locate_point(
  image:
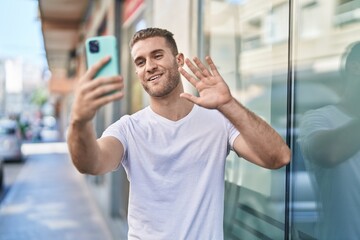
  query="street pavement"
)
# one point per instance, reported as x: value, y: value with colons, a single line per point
x: 50, y: 200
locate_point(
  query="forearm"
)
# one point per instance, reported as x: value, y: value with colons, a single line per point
x: 83, y: 147
x: 265, y: 144
x: 331, y: 147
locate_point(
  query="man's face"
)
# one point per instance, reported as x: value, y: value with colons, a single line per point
x: 156, y: 66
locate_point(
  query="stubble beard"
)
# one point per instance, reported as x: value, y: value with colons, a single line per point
x: 165, y: 87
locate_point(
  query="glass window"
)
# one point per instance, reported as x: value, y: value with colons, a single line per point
x: 276, y: 23
x: 347, y: 11
x: 248, y: 42
x: 309, y: 28
x: 326, y: 157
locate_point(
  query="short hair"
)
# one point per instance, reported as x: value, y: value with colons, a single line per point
x: 352, y: 54
x: 155, y: 32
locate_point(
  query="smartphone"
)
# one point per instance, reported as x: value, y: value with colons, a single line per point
x: 99, y: 47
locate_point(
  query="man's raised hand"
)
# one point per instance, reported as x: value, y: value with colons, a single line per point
x: 213, y: 91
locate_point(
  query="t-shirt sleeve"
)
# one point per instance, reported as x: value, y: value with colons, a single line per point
x: 312, y: 122
x: 118, y: 130
x: 233, y: 133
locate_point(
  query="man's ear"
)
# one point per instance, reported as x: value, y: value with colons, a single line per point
x: 180, y: 59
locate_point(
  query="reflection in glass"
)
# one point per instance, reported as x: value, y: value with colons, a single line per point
x: 329, y: 139
x: 248, y: 40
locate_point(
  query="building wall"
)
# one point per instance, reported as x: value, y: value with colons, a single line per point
x: 178, y: 19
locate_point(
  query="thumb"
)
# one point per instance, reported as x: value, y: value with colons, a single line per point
x: 190, y: 97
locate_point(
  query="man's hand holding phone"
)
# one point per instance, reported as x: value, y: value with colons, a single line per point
x: 93, y: 91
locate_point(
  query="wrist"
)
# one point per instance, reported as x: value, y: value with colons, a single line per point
x: 228, y: 105
x: 78, y: 123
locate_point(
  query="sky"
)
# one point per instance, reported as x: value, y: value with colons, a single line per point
x: 20, y: 31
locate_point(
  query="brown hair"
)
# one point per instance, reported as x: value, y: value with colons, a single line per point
x: 155, y: 32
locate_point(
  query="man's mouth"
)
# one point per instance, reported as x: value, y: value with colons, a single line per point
x: 154, y: 77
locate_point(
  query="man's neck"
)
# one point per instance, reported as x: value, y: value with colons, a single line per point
x: 173, y: 108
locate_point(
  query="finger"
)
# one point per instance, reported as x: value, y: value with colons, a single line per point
x: 202, y: 67
x: 194, y: 69
x: 105, y: 88
x: 190, y: 97
x: 105, y: 99
x: 212, y: 65
x: 91, y: 85
x: 188, y: 77
x: 108, y: 80
x: 93, y: 89
x: 91, y: 72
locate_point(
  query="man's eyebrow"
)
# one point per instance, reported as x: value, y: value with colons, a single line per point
x: 151, y: 53
x: 157, y: 50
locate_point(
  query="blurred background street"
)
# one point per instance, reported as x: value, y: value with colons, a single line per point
x: 45, y: 198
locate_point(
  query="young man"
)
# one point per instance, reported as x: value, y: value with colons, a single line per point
x: 174, y: 150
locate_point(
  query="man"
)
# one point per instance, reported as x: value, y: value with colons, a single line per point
x: 173, y: 150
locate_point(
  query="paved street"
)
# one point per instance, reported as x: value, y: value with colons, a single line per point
x: 49, y: 199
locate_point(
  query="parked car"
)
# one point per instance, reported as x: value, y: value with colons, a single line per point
x: 49, y: 131
x: 10, y: 140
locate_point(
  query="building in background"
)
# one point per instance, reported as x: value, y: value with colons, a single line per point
x: 21, y: 80
x: 2, y: 86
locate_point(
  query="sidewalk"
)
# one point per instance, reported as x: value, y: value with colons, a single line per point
x: 50, y: 200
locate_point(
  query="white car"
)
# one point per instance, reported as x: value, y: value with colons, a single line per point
x: 10, y: 140
x: 49, y: 131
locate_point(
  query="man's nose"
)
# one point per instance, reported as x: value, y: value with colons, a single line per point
x: 150, y: 65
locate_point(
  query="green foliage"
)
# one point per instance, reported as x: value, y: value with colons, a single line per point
x: 39, y: 97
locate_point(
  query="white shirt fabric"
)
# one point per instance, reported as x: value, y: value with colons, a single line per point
x: 337, y: 187
x: 176, y: 173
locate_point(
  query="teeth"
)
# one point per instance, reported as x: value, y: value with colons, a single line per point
x: 155, y: 77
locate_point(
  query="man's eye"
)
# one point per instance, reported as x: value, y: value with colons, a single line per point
x: 158, y: 56
x: 140, y: 63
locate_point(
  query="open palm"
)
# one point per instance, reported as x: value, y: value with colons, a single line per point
x: 213, y: 91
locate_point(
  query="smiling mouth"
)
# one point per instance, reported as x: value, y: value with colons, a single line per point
x: 154, y: 77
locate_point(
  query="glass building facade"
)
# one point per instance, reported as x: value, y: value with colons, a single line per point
x: 249, y: 41
x: 297, y: 65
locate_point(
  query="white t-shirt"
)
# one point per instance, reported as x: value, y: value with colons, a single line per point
x: 176, y: 173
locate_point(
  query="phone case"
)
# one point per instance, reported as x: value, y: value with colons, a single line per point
x: 106, y: 45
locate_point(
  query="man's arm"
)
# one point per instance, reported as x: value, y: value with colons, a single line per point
x: 91, y: 155
x: 257, y: 142
x: 331, y: 146
x: 88, y: 154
